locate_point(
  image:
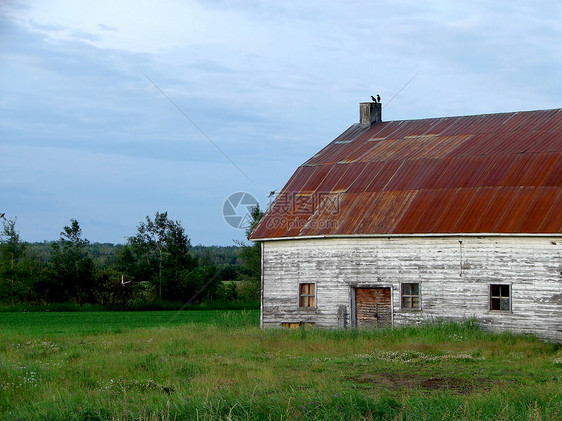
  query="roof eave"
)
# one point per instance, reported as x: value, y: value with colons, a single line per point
x: 421, y: 235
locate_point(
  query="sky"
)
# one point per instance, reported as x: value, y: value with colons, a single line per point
x: 113, y: 110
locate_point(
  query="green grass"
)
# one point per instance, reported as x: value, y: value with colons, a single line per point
x: 49, y: 323
x: 220, y: 365
x: 157, y: 305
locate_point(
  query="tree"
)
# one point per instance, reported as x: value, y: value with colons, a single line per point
x: 16, y: 269
x: 109, y: 291
x: 250, y: 255
x: 162, y: 248
x: 70, y: 274
x: 12, y: 248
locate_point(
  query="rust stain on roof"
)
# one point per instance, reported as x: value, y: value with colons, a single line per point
x: 491, y: 173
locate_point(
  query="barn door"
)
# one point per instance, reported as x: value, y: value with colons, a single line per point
x: 373, y: 307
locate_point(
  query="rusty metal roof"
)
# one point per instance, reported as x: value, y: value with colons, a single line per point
x: 491, y: 173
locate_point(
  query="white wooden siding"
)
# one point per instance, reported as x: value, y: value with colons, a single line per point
x: 454, y: 273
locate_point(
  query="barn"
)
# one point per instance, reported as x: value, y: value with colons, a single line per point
x: 400, y: 222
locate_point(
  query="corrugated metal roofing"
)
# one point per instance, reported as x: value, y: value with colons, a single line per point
x: 491, y: 173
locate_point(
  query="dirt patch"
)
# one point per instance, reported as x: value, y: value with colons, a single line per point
x: 397, y: 381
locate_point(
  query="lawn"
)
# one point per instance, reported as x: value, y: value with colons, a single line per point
x: 220, y: 365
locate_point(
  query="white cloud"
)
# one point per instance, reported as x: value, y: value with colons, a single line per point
x: 135, y: 26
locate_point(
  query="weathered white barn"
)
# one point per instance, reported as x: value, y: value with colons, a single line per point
x: 399, y: 222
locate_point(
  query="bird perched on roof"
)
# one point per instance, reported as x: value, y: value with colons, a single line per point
x: 373, y: 98
x: 376, y: 99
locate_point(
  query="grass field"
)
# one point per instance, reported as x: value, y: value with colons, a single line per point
x: 47, y: 323
x: 219, y: 365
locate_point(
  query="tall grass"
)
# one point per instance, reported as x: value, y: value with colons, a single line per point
x: 225, y: 367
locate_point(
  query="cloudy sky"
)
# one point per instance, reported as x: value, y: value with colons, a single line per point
x: 111, y: 110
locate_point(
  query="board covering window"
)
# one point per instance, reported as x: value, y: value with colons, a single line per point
x: 500, y: 297
x: 307, y: 295
x: 411, y: 295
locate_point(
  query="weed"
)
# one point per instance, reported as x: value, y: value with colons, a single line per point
x: 213, y: 365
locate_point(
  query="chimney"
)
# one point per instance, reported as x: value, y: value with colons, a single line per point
x: 370, y: 113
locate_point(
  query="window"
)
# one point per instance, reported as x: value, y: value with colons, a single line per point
x: 500, y: 297
x: 411, y: 295
x: 296, y: 325
x: 307, y: 296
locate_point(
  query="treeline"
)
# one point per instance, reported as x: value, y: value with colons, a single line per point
x: 106, y: 254
x: 156, y: 268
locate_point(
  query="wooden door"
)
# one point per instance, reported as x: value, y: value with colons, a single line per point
x: 373, y: 307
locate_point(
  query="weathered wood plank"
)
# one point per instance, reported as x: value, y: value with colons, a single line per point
x: 454, y: 278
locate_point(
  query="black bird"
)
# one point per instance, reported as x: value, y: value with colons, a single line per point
x: 378, y: 98
x: 373, y: 98
x: 271, y: 193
